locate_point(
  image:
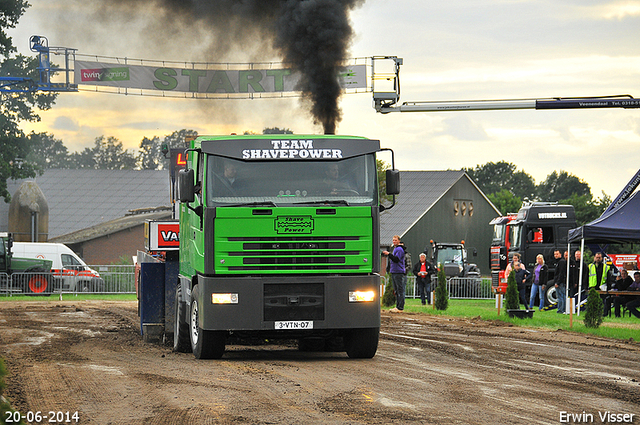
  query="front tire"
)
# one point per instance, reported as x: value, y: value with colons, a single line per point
x: 181, y: 342
x: 362, y: 343
x: 205, y: 344
x: 551, y: 295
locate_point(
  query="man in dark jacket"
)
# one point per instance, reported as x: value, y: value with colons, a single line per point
x: 561, y: 281
x: 398, y: 273
x: 423, y: 271
x: 622, y: 283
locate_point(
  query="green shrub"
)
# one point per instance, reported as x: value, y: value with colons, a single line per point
x: 594, y: 310
x: 512, y: 297
x: 389, y: 297
x: 442, y: 294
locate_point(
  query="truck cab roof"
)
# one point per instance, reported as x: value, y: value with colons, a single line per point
x: 541, y: 213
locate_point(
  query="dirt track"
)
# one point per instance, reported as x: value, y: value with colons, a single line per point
x: 89, y: 357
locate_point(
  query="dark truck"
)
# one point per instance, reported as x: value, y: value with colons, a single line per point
x: 22, y: 275
x: 538, y: 228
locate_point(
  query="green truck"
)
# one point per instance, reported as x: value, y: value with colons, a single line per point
x: 23, y: 275
x: 280, y: 239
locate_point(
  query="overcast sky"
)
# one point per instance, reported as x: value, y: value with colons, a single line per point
x: 452, y: 50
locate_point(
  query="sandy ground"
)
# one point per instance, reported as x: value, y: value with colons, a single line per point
x: 88, y: 357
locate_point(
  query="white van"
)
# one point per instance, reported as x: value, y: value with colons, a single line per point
x: 70, y: 272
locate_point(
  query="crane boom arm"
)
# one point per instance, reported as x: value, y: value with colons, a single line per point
x: 484, y: 105
x: 386, y: 101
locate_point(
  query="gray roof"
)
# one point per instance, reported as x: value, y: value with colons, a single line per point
x: 113, y: 226
x: 80, y: 199
x: 419, y: 191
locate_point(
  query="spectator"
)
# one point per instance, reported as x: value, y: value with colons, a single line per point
x: 560, y: 283
x: 398, y: 273
x: 632, y: 306
x: 622, y: 283
x: 540, y: 274
x: 522, y: 274
x: 515, y: 257
x: 585, y: 274
x: 599, y: 272
x: 423, y: 271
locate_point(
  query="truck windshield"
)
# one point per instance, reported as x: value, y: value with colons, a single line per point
x: 498, y: 234
x: 351, y: 181
x: 450, y: 255
x: 515, y: 236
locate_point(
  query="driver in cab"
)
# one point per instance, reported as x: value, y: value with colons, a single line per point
x: 331, y: 180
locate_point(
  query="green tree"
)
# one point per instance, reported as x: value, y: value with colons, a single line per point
x: 82, y: 159
x: 594, y: 310
x: 494, y: 177
x: 47, y: 152
x: 562, y: 185
x: 276, y: 130
x: 505, y: 201
x: 512, y: 296
x: 109, y: 154
x: 587, y: 208
x: 106, y: 154
x: 150, y: 154
x: 16, y: 107
x: 442, y: 293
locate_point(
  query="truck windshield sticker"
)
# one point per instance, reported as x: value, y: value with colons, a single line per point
x: 552, y: 215
x: 294, y: 225
x: 302, y: 149
x: 292, y: 149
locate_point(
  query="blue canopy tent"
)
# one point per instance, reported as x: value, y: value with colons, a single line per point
x: 618, y: 225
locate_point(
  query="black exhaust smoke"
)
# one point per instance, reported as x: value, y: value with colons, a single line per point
x: 313, y: 36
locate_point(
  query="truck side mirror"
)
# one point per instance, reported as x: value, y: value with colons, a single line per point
x: 186, y: 189
x: 393, y: 182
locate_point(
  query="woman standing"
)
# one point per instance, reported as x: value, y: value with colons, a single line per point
x: 540, y: 274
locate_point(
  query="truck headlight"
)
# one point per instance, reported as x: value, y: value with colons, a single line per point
x: 224, y: 298
x: 361, y: 296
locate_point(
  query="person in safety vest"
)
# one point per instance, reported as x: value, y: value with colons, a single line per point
x: 599, y: 272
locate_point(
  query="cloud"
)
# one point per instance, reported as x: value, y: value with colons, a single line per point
x: 464, y: 127
x: 65, y: 123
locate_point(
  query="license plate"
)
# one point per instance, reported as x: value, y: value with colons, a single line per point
x: 304, y: 324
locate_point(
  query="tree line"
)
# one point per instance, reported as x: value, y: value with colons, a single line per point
x: 507, y: 188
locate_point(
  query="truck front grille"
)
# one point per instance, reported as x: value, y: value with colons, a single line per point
x: 293, y: 253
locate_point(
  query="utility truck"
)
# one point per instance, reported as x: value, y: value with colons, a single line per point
x: 279, y: 239
x: 23, y: 275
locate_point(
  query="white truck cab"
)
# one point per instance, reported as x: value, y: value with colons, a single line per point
x: 70, y: 271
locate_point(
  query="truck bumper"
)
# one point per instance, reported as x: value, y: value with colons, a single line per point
x: 288, y: 303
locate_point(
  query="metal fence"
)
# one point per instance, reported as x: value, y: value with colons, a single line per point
x: 102, y: 279
x: 458, y: 287
x: 120, y: 279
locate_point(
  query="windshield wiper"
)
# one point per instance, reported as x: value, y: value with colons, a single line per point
x: 253, y: 204
x: 328, y: 202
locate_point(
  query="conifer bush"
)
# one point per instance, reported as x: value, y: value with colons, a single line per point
x: 442, y: 294
x: 594, y: 311
x: 389, y: 297
x: 512, y: 297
